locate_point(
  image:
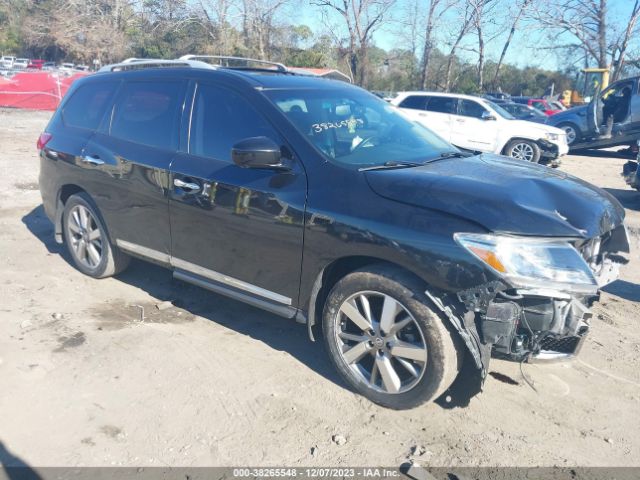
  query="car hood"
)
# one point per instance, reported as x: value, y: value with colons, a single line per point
x: 504, y: 195
x: 534, y: 129
x: 558, y: 117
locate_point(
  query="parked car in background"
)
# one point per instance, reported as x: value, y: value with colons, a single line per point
x: 538, y: 103
x: 499, y: 96
x: 316, y: 200
x: 557, y: 104
x: 477, y: 124
x: 21, y: 63
x: 81, y: 68
x: 7, y: 61
x: 36, y: 64
x: 67, y: 67
x: 49, y: 66
x: 525, y: 112
x: 612, y: 118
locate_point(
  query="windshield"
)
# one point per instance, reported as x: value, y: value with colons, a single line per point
x: 356, y: 128
x: 499, y: 110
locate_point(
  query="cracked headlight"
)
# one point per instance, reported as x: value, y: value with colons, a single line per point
x: 552, y: 136
x: 532, y: 262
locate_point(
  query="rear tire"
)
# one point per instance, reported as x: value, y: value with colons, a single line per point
x: 526, y: 150
x: 87, y: 240
x: 410, y: 353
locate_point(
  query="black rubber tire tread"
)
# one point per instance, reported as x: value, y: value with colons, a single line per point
x: 113, y: 260
x: 444, y: 347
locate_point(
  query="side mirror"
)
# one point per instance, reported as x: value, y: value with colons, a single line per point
x: 487, y: 116
x: 258, y: 152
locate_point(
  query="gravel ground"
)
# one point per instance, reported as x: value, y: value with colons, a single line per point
x: 214, y: 382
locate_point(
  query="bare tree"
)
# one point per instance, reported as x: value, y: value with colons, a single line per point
x: 218, y: 17
x: 83, y: 29
x: 361, y: 18
x: 435, y: 11
x: 587, y: 22
x: 520, y: 9
x: 622, y: 43
x: 465, y: 22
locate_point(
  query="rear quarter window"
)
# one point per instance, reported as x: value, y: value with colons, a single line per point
x: 148, y: 112
x: 87, y: 105
x: 441, y: 104
x: 415, y: 102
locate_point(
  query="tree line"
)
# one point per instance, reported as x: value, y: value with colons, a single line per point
x: 461, y: 45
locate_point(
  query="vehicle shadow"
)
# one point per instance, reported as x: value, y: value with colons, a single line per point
x: 40, y: 226
x: 629, y: 199
x: 279, y: 333
x: 14, y: 467
x: 623, y: 289
x: 624, y: 153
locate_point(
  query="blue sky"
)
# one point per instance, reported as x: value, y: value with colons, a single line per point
x: 525, y: 49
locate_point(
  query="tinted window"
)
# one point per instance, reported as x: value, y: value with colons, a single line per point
x: 221, y: 118
x: 469, y: 108
x: 148, y: 113
x: 87, y: 105
x: 539, y: 105
x: 441, y: 104
x: 355, y: 128
x: 415, y: 102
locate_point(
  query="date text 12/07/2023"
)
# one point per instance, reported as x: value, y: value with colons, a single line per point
x: 372, y: 472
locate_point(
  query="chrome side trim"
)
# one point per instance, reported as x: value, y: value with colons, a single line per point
x: 203, y: 272
x: 286, y: 311
x: 143, y: 251
x: 233, y: 282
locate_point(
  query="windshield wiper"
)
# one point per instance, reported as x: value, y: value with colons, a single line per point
x: 451, y: 154
x: 390, y: 165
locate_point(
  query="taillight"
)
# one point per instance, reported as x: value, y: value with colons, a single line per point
x: 43, y: 139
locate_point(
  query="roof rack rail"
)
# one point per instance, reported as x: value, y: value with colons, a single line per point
x: 140, y: 63
x: 226, y: 59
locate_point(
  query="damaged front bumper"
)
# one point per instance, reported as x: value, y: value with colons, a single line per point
x: 536, y: 323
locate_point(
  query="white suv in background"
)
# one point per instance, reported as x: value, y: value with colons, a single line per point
x: 477, y: 124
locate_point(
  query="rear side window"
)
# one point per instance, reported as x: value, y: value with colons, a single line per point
x: 221, y: 118
x: 441, y: 104
x: 469, y: 108
x: 86, y: 106
x: 416, y: 102
x: 148, y: 113
x: 539, y: 105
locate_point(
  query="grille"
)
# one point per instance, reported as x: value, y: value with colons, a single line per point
x: 560, y: 345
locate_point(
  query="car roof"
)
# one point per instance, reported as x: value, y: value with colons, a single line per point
x: 263, y: 79
x: 441, y: 94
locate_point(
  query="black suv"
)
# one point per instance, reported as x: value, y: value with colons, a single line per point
x: 316, y: 200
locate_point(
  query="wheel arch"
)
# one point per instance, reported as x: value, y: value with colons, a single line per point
x: 503, y: 148
x: 340, y: 267
x: 64, y: 192
x: 331, y: 274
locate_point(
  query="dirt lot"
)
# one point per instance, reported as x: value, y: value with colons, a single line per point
x: 214, y: 382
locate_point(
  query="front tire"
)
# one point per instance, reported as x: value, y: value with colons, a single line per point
x: 526, y: 150
x: 387, y: 340
x: 87, y: 241
x: 572, y: 131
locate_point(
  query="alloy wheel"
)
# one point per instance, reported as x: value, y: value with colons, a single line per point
x: 571, y: 134
x: 380, y: 342
x: 522, y: 151
x: 85, y: 236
